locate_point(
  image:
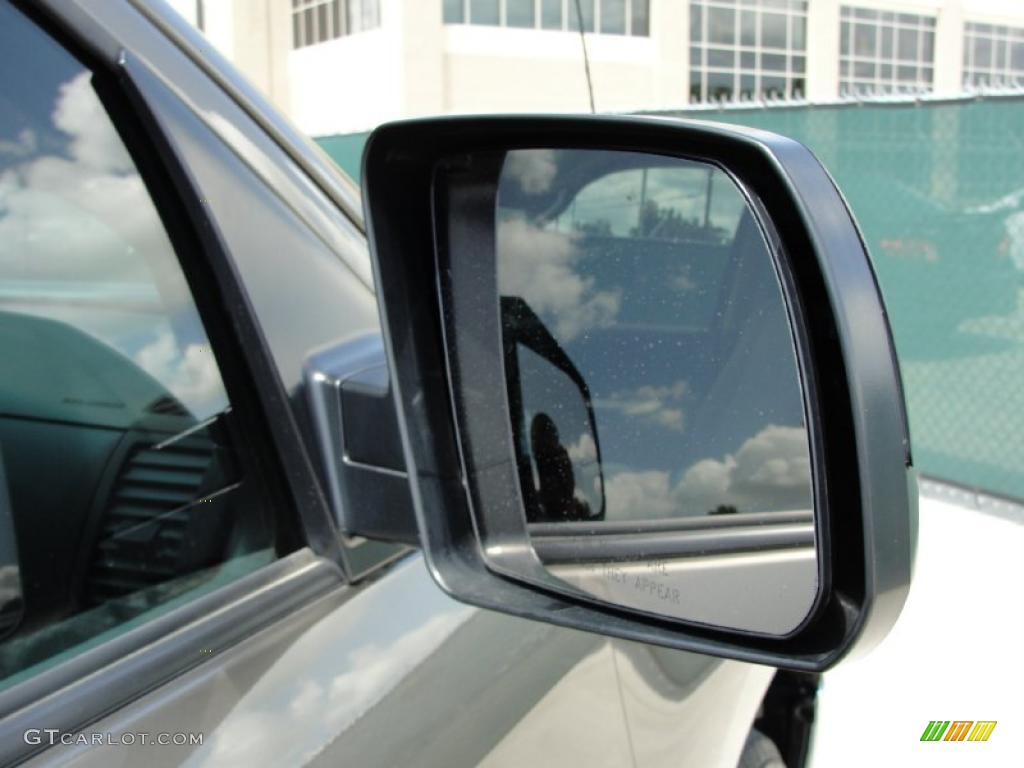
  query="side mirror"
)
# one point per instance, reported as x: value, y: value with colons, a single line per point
x: 645, y: 382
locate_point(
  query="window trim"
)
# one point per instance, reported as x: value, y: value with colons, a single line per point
x: 103, y: 679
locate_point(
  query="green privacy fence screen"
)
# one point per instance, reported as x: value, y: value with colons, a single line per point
x: 346, y: 149
x: 938, y: 190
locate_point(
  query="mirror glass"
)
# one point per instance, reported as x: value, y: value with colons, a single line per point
x: 655, y: 395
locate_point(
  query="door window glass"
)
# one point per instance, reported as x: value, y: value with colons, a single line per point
x: 122, y: 491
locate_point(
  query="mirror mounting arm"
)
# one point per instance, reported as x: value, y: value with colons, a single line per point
x: 356, y: 426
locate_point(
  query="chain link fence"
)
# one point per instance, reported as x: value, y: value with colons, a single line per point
x: 938, y: 190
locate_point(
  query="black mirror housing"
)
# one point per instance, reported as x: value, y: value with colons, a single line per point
x: 424, y: 212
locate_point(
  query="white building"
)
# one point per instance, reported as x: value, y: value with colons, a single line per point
x: 337, y: 66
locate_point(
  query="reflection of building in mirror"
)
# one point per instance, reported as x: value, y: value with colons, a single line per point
x: 698, y: 204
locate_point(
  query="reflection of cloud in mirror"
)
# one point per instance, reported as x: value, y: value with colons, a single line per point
x: 640, y: 495
x: 671, y: 418
x: 770, y: 471
x: 192, y: 376
x: 771, y: 464
x: 583, y: 450
x: 656, y: 405
x: 533, y: 169
x: 537, y: 265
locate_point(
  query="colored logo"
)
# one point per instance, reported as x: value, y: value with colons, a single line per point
x: 958, y: 730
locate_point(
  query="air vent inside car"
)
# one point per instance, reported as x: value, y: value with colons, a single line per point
x: 156, y: 524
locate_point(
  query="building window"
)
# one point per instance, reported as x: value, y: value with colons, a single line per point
x: 749, y: 49
x: 885, y: 52
x: 993, y: 55
x: 606, y: 17
x: 316, y: 21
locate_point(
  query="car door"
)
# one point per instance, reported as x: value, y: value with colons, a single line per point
x: 184, y: 594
